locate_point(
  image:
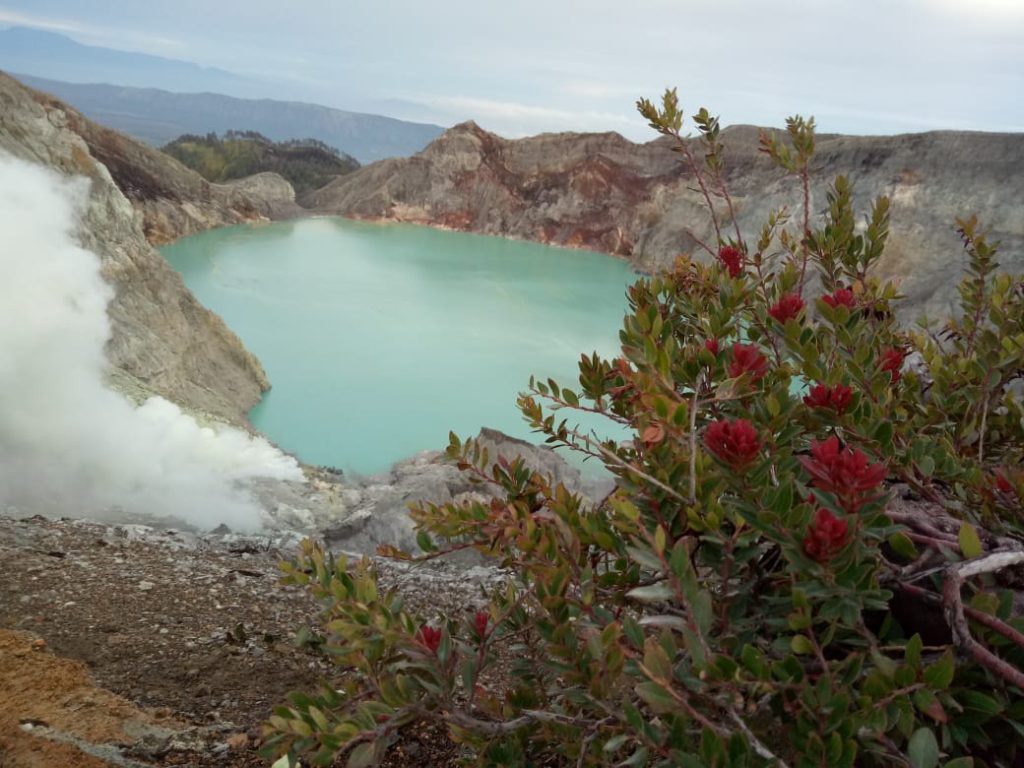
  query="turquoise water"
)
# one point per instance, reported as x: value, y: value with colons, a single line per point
x: 379, y: 339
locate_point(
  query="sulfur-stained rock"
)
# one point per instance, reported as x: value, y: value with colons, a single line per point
x: 603, y: 192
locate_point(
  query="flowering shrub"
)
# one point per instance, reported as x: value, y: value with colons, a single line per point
x: 751, y: 593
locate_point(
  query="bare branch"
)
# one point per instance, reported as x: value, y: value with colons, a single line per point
x: 760, y: 748
x: 954, y: 611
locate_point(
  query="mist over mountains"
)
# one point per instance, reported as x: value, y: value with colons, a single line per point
x: 156, y: 99
x: 56, y: 56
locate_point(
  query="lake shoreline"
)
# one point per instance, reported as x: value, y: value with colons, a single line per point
x: 496, y: 304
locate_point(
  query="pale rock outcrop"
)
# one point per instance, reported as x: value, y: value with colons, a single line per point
x: 377, y: 509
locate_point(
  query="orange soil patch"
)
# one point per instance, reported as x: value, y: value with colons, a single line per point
x: 56, y: 696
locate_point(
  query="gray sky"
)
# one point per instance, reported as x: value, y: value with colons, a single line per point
x: 526, y: 66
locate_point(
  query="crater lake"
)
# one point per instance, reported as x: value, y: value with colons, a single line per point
x: 380, y: 338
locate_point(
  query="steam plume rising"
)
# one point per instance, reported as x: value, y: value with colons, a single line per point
x: 68, y: 445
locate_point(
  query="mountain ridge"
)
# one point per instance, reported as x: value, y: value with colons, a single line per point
x: 158, y: 116
x: 57, y: 56
x: 606, y: 193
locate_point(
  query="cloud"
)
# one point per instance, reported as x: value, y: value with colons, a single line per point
x: 95, y: 35
x: 512, y: 118
x: 599, y: 90
x: 1000, y: 9
x: 69, y: 445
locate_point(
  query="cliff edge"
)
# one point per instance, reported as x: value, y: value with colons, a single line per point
x: 163, y: 341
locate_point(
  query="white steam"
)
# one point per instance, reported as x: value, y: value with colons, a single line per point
x: 68, y: 445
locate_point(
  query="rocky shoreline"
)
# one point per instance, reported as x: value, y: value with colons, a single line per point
x: 636, y: 201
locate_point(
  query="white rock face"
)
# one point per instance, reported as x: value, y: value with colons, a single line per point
x: 163, y: 341
x: 68, y: 443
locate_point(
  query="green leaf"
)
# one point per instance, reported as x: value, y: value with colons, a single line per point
x: 970, y: 544
x: 883, y: 434
x: 912, y: 652
x: 424, y: 542
x: 652, y: 593
x: 980, y: 702
x: 703, y: 611
x: 659, y: 699
x: 615, y: 742
x: 362, y: 756
x: 636, y: 759
x: 645, y: 557
x: 800, y: 645
x: 928, y: 703
x: 923, y: 749
x: 634, y: 633
x: 656, y: 660
x: 903, y: 546
x: 926, y: 464
x: 940, y: 674
x: 783, y: 499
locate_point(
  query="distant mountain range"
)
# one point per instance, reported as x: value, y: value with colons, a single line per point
x: 156, y: 99
x: 55, y: 56
x: 157, y: 117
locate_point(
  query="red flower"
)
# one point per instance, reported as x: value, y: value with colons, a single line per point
x: 842, y: 297
x: 429, y: 638
x: 788, y: 307
x: 747, y: 359
x: 732, y: 260
x: 825, y: 537
x: 892, y: 361
x: 835, y: 398
x: 734, y: 442
x: 844, y: 472
x: 711, y: 345
x: 480, y: 622
x: 1002, y: 482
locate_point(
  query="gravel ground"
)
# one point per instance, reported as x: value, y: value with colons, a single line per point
x: 130, y: 646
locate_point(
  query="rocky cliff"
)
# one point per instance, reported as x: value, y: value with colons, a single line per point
x: 603, y: 192
x: 163, y: 341
x: 175, y: 201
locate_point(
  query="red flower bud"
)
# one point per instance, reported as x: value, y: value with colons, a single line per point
x: 746, y: 358
x: 711, y: 345
x: 843, y: 297
x: 732, y: 259
x: 844, y: 472
x: 788, y: 307
x: 892, y: 361
x: 835, y: 398
x: 429, y: 638
x: 825, y: 537
x: 734, y: 442
x: 480, y: 622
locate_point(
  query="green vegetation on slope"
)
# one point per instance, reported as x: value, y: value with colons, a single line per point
x: 307, y: 163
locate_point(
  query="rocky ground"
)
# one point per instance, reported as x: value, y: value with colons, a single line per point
x: 129, y: 646
x: 133, y: 645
